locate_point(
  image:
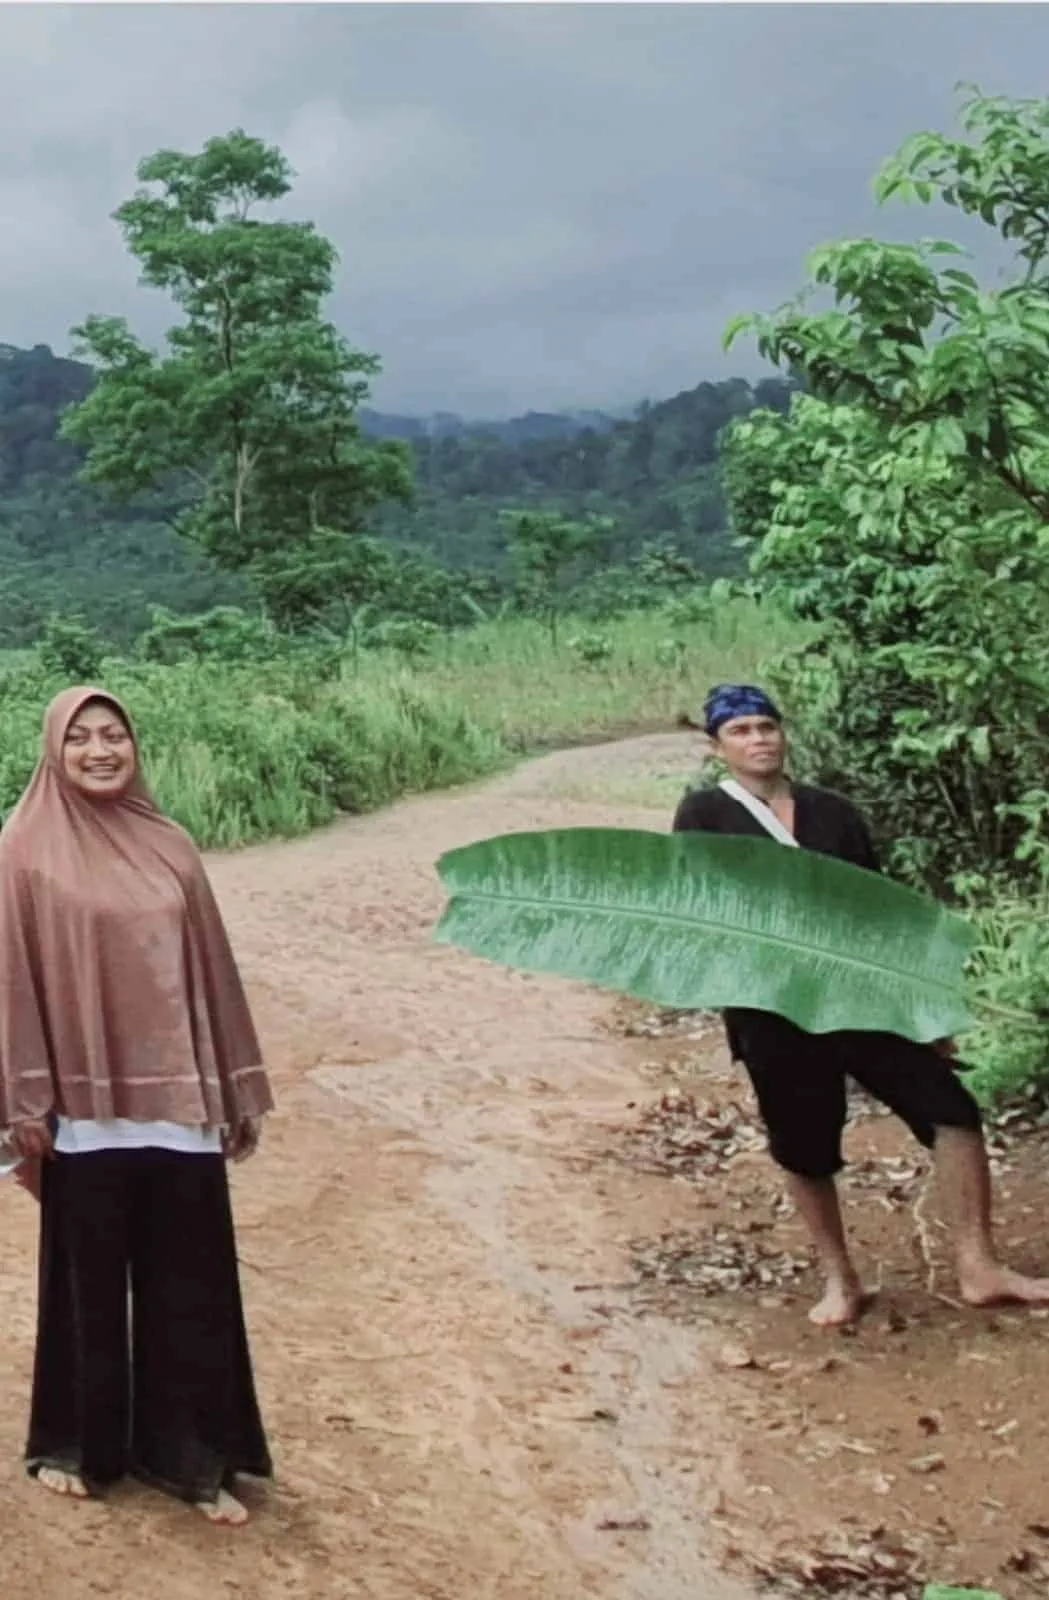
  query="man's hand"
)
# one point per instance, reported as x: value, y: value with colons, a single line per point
x: 946, y: 1048
x: 242, y: 1140
x: 33, y: 1139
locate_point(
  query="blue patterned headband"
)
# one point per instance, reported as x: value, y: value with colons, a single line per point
x: 731, y: 700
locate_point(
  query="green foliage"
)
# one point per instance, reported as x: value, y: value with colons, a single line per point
x: 411, y: 637
x: 591, y: 647
x: 225, y: 633
x: 70, y: 649
x: 655, y: 474
x: 657, y: 575
x: 248, y: 736
x: 330, y: 575
x: 696, y: 921
x: 1009, y: 1049
x: 239, y: 751
x: 511, y: 680
x: 548, y: 551
x: 68, y: 545
x: 903, y: 505
x: 249, y: 417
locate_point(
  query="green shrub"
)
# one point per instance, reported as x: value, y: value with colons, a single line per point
x: 69, y: 648
x: 225, y: 633
x: 243, y: 743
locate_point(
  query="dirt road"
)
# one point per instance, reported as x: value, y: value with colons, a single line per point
x: 453, y: 1415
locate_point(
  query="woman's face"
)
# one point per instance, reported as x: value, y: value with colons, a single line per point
x: 98, y: 755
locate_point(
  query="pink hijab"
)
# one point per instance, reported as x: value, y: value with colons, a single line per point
x: 119, y: 994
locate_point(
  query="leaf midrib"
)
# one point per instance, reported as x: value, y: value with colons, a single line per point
x: 549, y: 902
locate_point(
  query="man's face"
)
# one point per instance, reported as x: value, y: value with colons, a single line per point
x: 752, y: 747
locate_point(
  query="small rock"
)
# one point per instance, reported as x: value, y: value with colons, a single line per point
x: 933, y: 1462
x: 736, y: 1356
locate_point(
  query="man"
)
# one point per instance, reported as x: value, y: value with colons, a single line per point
x: 799, y: 1078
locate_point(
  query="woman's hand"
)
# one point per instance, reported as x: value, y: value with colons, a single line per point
x: 27, y: 1176
x: 242, y: 1140
x: 33, y: 1140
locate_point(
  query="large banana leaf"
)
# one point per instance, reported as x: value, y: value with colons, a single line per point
x: 695, y: 920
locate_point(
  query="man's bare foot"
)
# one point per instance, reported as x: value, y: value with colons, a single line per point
x: 59, y: 1482
x: 226, y: 1511
x: 844, y: 1303
x: 994, y: 1285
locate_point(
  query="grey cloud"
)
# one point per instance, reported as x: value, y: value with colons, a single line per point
x: 535, y: 205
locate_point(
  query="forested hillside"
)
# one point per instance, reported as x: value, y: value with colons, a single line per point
x: 656, y: 474
x: 65, y: 546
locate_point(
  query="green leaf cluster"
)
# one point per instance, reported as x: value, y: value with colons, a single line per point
x: 903, y: 505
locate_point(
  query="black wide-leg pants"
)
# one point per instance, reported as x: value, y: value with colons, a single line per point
x: 142, y: 1362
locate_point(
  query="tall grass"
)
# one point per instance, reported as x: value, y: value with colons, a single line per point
x: 509, y: 680
x: 238, y: 752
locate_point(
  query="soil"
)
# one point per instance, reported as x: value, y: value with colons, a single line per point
x: 526, y: 1305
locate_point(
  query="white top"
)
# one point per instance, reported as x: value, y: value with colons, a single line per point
x: 81, y: 1136
x: 77, y: 1136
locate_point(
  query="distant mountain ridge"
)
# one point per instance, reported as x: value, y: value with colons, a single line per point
x: 511, y: 430
x: 64, y: 545
x: 43, y: 377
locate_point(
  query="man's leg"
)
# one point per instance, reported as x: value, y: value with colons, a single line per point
x: 818, y: 1206
x: 965, y: 1179
x: 800, y: 1089
x: 925, y: 1091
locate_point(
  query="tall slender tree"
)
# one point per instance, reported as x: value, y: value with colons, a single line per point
x: 248, y: 416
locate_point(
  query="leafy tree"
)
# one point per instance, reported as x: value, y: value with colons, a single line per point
x: 904, y: 503
x: 249, y: 417
x: 659, y: 576
x: 328, y: 578
x: 547, y: 549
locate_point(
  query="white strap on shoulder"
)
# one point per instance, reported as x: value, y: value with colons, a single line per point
x: 759, y: 811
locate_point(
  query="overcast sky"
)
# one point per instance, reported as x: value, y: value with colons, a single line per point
x: 536, y: 206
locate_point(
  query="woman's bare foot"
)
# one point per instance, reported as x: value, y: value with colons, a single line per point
x: 225, y: 1511
x: 59, y: 1482
x: 994, y: 1285
x: 844, y: 1303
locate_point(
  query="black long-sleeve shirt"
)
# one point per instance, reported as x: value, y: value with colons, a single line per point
x: 823, y: 821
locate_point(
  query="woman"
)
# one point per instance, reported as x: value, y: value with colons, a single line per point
x: 129, y: 1071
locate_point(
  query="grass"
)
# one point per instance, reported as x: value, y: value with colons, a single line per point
x: 247, y: 751
x: 510, y: 681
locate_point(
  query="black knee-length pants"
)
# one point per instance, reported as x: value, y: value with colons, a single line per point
x: 142, y: 1362
x: 800, y: 1084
